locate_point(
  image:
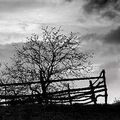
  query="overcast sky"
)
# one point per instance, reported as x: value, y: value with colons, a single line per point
x: 99, y: 19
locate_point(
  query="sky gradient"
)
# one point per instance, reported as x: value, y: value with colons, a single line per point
x: 98, y: 20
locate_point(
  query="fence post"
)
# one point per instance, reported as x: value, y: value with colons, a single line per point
x: 5, y: 93
x: 70, y: 100
x: 104, y: 79
x: 92, y: 92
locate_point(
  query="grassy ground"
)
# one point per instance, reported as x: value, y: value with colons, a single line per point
x: 60, y: 112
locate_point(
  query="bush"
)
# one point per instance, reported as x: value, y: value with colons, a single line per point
x: 116, y: 101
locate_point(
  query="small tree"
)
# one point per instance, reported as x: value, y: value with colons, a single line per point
x: 54, y: 56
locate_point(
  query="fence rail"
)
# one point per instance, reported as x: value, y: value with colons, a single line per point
x: 97, y: 88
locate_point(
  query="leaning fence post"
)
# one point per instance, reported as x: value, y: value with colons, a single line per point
x: 92, y: 92
x: 70, y: 100
x: 104, y: 80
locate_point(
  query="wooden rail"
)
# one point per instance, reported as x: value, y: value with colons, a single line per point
x: 51, y: 81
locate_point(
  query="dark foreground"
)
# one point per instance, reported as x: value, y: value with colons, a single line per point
x: 60, y: 112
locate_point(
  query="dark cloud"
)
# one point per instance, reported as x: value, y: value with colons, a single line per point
x: 113, y: 37
x: 106, y: 8
x: 96, y: 5
x: 109, y: 14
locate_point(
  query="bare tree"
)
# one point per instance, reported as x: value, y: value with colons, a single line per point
x: 52, y: 56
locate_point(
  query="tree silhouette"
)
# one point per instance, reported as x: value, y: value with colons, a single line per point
x: 55, y: 55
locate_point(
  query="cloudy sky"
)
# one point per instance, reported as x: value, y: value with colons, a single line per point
x: 99, y: 20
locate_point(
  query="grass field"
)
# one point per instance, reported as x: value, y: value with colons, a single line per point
x: 60, y: 112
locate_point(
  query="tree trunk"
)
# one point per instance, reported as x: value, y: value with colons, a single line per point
x: 43, y: 85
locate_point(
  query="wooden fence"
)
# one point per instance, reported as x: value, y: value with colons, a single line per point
x: 85, y: 95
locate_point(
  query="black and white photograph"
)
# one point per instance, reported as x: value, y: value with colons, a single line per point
x: 59, y: 59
